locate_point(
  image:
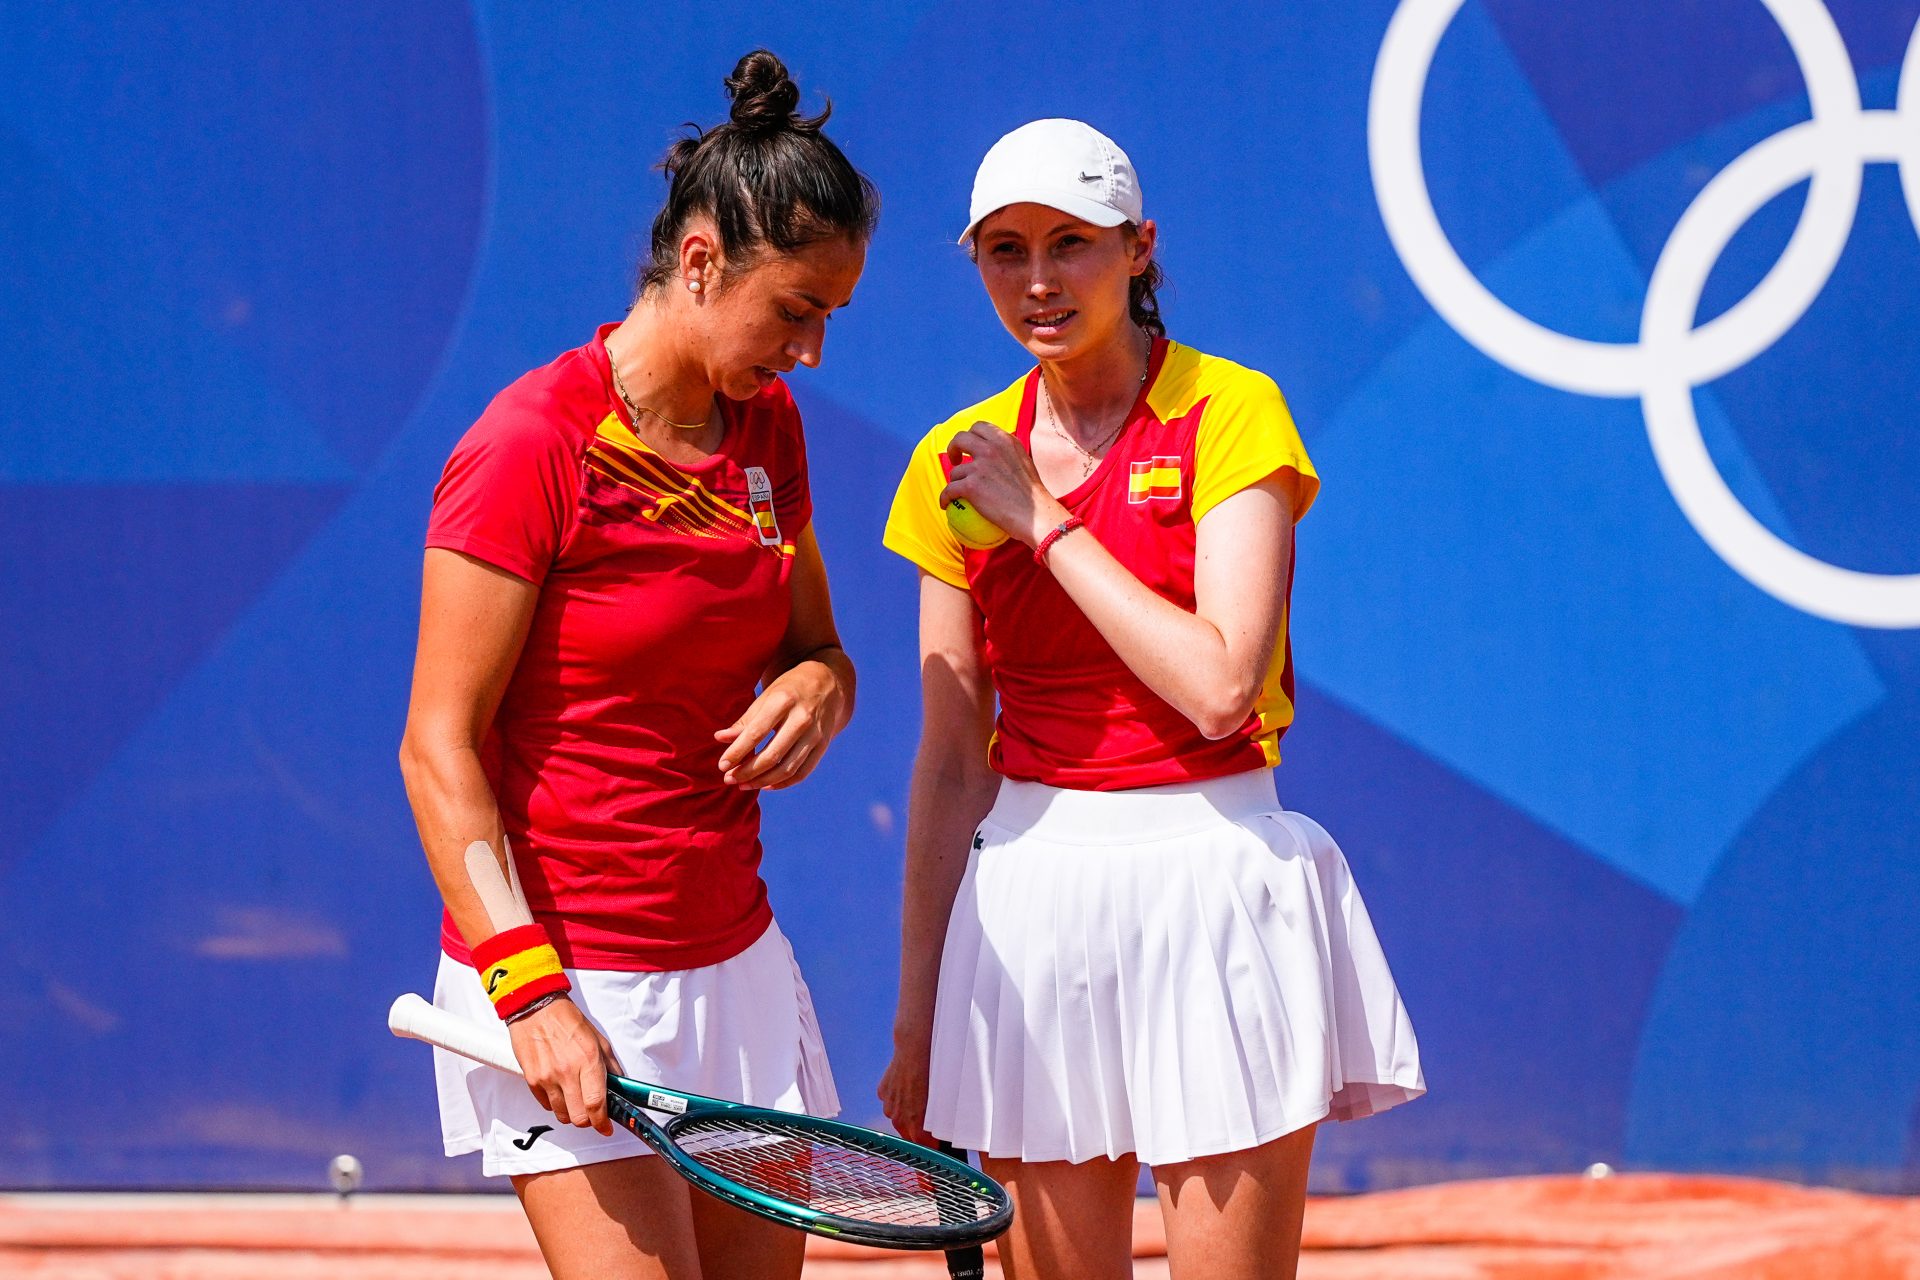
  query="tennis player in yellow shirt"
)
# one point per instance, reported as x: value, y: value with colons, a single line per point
x: 1119, y: 949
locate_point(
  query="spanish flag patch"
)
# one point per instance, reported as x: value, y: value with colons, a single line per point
x: 760, y: 502
x: 1154, y: 479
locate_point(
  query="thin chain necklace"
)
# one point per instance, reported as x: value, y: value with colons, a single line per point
x: 635, y: 410
x: 1090, y: 458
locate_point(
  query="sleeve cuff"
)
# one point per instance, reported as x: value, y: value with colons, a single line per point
x: 1306, y: 488
x: 492, y: 552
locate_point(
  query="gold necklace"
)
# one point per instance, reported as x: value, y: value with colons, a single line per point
x: 635, y: 410
x: 1089, y: 458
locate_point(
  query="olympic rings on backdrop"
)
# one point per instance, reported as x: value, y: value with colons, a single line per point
x: 1672, y: 356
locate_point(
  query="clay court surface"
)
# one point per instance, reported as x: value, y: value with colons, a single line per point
x: 1643, y: 1227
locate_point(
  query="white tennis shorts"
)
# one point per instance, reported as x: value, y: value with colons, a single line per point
x: 743, y: 1030
x: 1174, y: 971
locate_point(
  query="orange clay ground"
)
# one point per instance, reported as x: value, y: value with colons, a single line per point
x: 1640, y: 1227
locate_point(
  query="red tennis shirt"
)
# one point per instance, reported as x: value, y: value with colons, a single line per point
x: 664, y: 593
x: 1072, y: 714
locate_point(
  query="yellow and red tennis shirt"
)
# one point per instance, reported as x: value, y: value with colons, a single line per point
x: 1071, y: 713
x: 664, y: 594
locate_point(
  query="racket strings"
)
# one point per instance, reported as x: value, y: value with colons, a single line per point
x: 832, y: 1173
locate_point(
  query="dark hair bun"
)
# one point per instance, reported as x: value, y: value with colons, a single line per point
x: 769, y: 180
x: 764, y: 95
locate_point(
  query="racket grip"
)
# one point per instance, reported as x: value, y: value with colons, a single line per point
x: 970, y: 1262
x: 415, y: 1019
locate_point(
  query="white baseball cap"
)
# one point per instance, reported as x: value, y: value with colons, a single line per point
x: 1063, y: 164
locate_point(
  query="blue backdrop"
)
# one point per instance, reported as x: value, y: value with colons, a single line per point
x: 1635, y: 821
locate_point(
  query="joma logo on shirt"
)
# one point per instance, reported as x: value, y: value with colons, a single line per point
x: 1155, y: 479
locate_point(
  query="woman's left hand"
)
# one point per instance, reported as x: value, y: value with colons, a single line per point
x: 801, y: 709
x: 993, y: 472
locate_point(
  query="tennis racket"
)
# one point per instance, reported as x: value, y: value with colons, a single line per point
x: 968, y: 1262
x: 821, y: 1176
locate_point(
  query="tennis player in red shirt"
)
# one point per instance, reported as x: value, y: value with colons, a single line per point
x: 1119, y: 949
x: 625, y: 635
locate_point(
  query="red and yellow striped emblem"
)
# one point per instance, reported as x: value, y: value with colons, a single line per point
x: 510, y: 973
x: 1156, y: 478
x: 517, y: 967
x: 671, y: 499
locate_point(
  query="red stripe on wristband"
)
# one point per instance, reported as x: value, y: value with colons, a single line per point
x: 501, y: 945
x: 518, y: 967
x: 522, y: 996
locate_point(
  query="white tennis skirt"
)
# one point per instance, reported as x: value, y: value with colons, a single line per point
x: 743, y: 1030
x: 1174, y: 971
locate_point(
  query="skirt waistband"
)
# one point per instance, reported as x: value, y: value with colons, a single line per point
x: 1131, y: 817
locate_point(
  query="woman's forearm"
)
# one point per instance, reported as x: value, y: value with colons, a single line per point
x: 473, y: 621
x: 1179, y: 655
x: 454, y: 809
x: 949, y: 798
x: 1208, y: 663
x: 811, y: 635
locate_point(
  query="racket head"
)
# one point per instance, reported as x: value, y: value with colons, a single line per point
x: 829, y: 1178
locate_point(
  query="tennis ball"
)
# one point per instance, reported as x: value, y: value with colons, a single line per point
x: 973, y: 529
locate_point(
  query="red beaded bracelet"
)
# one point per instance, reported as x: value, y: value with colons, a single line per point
x: 1054, y: 535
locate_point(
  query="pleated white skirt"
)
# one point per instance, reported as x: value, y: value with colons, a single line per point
x: 1174, y: 972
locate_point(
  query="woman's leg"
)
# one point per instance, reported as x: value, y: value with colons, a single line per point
x: 1237, y: 1216
x: 735, y: 1243
x: 1070, y: 1221
x: 616, y: 1220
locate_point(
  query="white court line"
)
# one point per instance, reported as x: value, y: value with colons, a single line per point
x: 267, y: 1201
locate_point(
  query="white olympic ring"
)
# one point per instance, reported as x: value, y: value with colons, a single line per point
x: 1671, y: 356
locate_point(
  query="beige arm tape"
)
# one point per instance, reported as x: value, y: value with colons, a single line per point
x: 499, y: 891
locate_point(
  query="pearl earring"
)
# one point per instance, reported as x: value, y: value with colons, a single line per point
x: 693, y: 286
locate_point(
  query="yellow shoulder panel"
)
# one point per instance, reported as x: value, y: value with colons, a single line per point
x: 916, y: 527
x: 1002, y: 409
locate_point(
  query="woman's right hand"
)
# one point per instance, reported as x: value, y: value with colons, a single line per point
x: 565, y: 1060
x: 993, y: 470
x: 903, y: 1089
